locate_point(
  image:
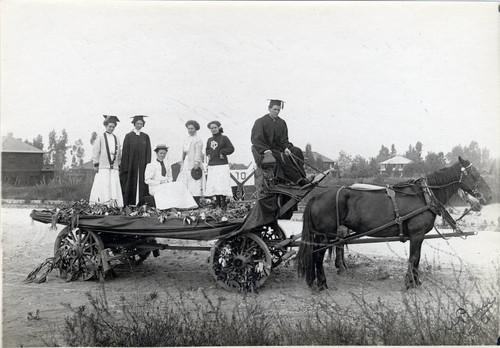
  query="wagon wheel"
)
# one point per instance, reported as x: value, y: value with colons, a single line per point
x: 78, y: 254
x: 273, y: 234
x: 241, y: 263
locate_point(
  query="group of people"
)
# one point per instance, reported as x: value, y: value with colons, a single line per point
x: 126, y: 174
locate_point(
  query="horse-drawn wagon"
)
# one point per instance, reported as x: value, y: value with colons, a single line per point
x: 248, y: 245
x: 248, y: 248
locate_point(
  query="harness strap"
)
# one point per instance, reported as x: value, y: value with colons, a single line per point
x: 429, y: 196
x: 337, y: 205
x: 437, y: 207
x: 392, y: 196
x: 374, y: 230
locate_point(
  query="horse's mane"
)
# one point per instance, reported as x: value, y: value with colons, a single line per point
x: 444, y: 176
x: 444, y: 182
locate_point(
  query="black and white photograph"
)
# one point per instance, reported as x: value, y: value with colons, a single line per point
x: 250, y: 173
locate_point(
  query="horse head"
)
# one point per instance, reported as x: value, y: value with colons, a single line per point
x: 473, y: 183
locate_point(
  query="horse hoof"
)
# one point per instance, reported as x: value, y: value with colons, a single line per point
x: 322, y: 287
x: 342, y: 271
x: 412, y: 284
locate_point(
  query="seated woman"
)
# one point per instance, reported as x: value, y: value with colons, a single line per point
x: 167, y: 194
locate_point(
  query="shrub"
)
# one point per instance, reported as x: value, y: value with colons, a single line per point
x: 461, y: 313
x: 66, y: 188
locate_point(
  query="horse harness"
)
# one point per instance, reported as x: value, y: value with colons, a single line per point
x: 432, y: 204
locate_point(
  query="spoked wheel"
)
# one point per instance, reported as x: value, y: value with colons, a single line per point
x: 241, y: 263
x: 271, y: 235
x: 78, y: 254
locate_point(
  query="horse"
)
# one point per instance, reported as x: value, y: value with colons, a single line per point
x: 409, y: 213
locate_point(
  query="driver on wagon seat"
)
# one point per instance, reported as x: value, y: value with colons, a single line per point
x: 270, y: 135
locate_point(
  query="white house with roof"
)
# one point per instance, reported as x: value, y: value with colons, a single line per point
x: 398, y: 163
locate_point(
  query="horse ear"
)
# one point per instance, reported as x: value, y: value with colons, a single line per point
x: 460, y: 159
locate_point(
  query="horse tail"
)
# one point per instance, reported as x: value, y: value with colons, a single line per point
x: 305, y: 261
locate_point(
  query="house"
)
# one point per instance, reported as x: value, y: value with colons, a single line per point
x: 85, y: 168
x: 84, y: 171
x: 22, y: 164
x: 394, y: 166
x: 328, y: 163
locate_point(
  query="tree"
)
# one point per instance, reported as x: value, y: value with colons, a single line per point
x: 473, y: 153
x: 393, y: 151
x: 360, y: 167
x: 434, y: 161
x: 93, y: 137
x: 50, y: 155
x: 38, y: 142
x: 415, y: 153
x: 319, y: 164
x: 344, y: 161
x: 373, y: 167
x: 58, y: 146
x: 418, y: 148
x: 485, y: 160
x: 77, y: 153
x: 452, y: 156
x: 383, y: 154
x: 61, y: 148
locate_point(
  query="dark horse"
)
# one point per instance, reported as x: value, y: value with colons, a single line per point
x: 365, y: 211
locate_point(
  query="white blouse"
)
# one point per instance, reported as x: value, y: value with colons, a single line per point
x: 152, y: 175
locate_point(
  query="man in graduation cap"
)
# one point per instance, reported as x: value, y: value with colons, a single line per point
x: 136, y: 154
x: 270, y: 135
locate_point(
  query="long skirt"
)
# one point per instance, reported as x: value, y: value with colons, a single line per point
x: 106, y: 188
x: 218, y: 181
x: 194, y: 186
x: 172, y: 195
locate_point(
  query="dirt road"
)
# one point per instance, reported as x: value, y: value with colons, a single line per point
x: 376, y: 271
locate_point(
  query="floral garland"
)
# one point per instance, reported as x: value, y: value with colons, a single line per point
x: 70, y: 214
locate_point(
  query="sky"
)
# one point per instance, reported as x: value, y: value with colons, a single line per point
x: 354, y: 75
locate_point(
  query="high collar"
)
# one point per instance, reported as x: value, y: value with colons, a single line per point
x: 273, y: 118
x: 137, y: 132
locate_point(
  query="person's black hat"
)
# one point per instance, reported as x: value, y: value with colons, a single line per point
x: 278, y: 102
x: 161, y: 147
x: 138, y: 118
x: 110, y: 118
x: 196, y: 173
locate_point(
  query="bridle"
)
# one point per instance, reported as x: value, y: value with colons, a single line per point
x: 473, y: 173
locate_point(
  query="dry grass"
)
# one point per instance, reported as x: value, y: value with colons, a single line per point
x: 65, y: 188
x: 460, y: 313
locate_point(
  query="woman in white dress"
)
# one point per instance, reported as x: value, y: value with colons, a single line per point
x: 218, y: 178
x: 167, y: 194
x: 106, y: 156
x: 192, y: 157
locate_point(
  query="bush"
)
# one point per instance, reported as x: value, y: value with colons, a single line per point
x: 456, y: 314
x: 65, y: 187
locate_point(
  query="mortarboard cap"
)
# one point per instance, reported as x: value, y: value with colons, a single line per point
x: 138, y: 118
x: 278, y: 102
x: 111, y: 118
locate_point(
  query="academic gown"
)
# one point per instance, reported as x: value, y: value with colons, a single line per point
x: 269, y: 134
x: 136, y: 154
